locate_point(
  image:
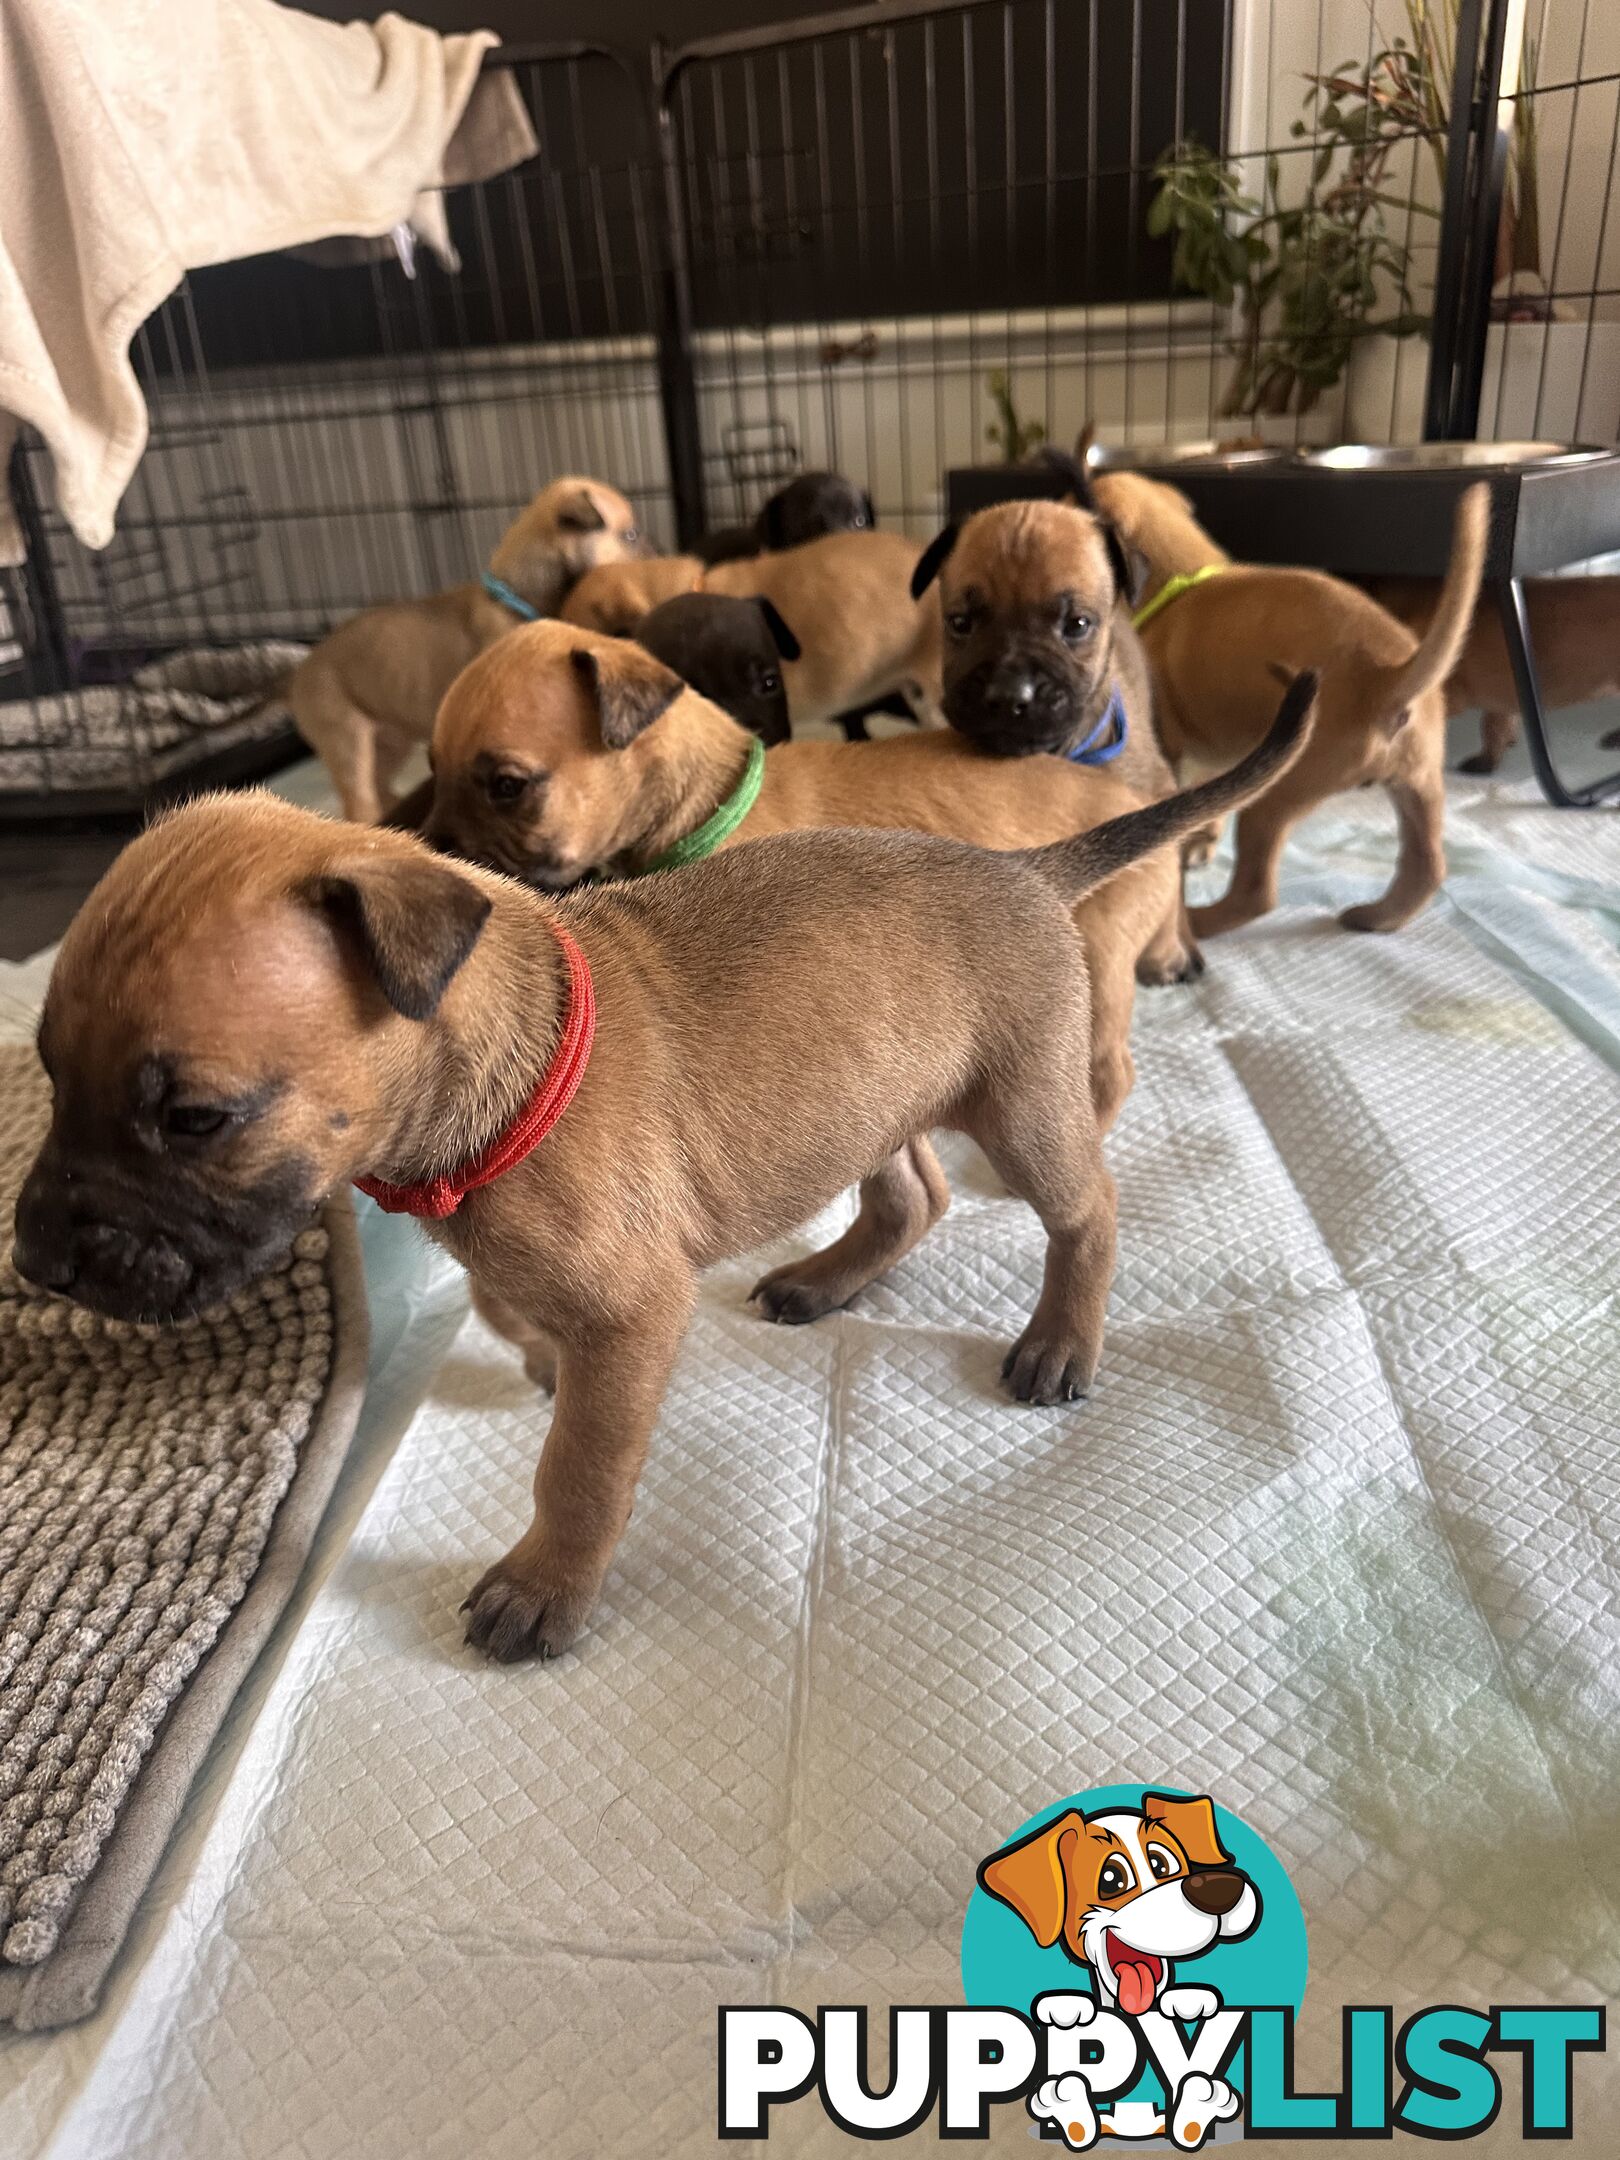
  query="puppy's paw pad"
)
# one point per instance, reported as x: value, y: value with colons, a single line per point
x: 1201, y: 2103
x: 788, y: 1301
x: 1065, y: 2010
x: 1189, y: 2004
x: 510, y: 1617
x: 1046, y: 1372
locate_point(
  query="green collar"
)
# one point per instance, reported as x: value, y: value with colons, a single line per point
x: 717, y: 828
x: 1173, y: 588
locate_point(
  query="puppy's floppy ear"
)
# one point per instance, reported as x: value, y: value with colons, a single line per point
x: 932, y: 560
x: 628, y: 687
x: 1128, y: 576
x: 412, y: 811
x: 413, y: 920
x: 1072, y: 475
x: 580, y: 514
x: 781, y: 636
x: 772, y: 522
x: 1031, y: 1876
x: 1192, y: 1824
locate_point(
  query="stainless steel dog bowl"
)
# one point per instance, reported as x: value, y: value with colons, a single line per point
x: 1169, y: 456
x: 1447, y: 456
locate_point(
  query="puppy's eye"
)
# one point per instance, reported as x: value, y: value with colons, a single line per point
x: 632, y: 534
x: 194, y: 1121
x: 1115, y: 1879
x: 1163, y: 1863
x: 506, y: 787
x: 959, y: 622
x: 770, y: 682
x: 1078, y: 626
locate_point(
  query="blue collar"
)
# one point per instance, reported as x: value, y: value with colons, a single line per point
x: 1107, y: 738
x: 498, y: 589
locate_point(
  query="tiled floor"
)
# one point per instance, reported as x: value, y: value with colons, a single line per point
x: 44, y: 876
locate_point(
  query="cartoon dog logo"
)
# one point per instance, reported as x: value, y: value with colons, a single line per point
x: 1129, y: 1893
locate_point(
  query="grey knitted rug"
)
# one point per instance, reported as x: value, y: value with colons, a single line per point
x: 159, y: 1488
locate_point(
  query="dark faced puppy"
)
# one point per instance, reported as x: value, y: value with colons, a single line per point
x: 731, y: 652
x: 810, y: 505
x: 1039, y: 649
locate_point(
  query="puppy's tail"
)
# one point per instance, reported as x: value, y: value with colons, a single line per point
x: 1442, y: 642
x: 1078, y: 866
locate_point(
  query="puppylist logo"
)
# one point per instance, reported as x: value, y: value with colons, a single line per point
x: 1134, y: 1963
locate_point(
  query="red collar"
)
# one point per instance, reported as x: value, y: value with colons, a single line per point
x: 435, y: 1198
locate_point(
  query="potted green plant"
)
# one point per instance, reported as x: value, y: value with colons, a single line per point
x: 1307, y: 279
x: 1323, y: 287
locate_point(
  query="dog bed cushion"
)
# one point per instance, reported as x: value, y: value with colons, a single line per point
x: 159, y: 1489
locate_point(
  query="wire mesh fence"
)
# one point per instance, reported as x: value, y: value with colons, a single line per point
x: 887, y: 240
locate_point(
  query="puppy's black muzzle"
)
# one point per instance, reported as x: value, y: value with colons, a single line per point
x: 151, y: 1249
x: 1018, y: 709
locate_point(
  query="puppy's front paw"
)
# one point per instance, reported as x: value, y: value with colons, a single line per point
x: 785, y: 1297
x: 517, y: 1612
x: 1188, y: 2005
x: 1040, y: 1369
x: 1201, y: 2103
x: 1065, y: 2010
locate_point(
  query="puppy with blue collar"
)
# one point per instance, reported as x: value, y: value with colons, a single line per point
x: 1039, y: 653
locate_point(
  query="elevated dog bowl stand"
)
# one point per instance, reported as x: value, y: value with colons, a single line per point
x: 1393, y: 520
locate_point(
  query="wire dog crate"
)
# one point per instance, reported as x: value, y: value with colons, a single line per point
x: 888, y: 240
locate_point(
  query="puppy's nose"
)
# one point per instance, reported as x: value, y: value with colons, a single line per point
x: 1018, y: 694
x: 43, y: 1253
x: 1214, y: 1890
x: 48, y: 1267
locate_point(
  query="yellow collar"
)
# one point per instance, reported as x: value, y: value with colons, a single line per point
x: 1173, y: 588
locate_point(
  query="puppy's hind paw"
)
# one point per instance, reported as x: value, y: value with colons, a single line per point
x: 1041, y: 1371
x: 512, y: 1616
x: 1370, y: 917
x: 785, y: 1297
x: 1184, y: 967
x: 1479, y: 764
x: 1201, y: 2103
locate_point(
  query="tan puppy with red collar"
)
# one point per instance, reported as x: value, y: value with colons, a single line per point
x: 366, y: 696
x: 589, y: 1099
x: 556, y: 756
x: 1216, y: 650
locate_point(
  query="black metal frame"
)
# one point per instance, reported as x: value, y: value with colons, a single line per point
x: 1477, y: 163
x: 664, y: 279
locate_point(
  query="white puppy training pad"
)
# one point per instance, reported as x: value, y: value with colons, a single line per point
x: 1335, y: 1540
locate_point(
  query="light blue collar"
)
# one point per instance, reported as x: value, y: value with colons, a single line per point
x: 498, y: 589
x: 1107, y: 738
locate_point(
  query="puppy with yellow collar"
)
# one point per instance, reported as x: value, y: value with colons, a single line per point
x: 1216, y: 650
